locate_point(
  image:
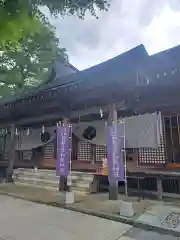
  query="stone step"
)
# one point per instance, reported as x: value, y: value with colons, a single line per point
x: 78, y: 185
x: 36, y: 180
x: 80, y: 189
x: 46, y: 171
x: 38, y: 176
x: 36, y: 185
x: 45, y: 182
x: 52, y: 175
x: 48, y: 178
x: 80, y: 182
x: 77, y: 191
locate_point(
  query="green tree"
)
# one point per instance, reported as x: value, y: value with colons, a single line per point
x: 23, y: 57
x: 20, y: 18
x: 26, y: 66
x: 29, y: 64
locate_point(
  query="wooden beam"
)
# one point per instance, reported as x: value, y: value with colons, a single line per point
x: 29, y: 121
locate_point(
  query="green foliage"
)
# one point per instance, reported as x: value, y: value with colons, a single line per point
x: 20, y: 18
x: 79, y: 7
x: 28, y: 65
x: 57, y: 6
x: 16, y: 25
x: 27, y: 41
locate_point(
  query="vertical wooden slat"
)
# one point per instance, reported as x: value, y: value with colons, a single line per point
x: 171, y: 135
x: 178, y: 128
x: 49, y: 151
x: 164, y: 139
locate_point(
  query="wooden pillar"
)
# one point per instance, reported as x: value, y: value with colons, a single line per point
x: 159, y: 188
x: 11, y: 155
x: 113, y: 187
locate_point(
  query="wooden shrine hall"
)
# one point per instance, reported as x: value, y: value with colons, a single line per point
x: 130, y: 84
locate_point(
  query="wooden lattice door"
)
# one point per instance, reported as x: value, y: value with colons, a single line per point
x: 172, y: 139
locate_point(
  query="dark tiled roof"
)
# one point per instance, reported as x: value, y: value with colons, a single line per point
x: 162, y: 62
x: 114, y: 79
x: 120, y: 68
x: 59, y: 71
x: 113, y: 69
x: 65, y: 74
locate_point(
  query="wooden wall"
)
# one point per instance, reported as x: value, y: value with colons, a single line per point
x: 86, y: 155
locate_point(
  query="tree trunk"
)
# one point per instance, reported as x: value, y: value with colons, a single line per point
x: 11, y: 155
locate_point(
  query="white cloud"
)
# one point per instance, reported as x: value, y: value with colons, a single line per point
x: 155, y: 23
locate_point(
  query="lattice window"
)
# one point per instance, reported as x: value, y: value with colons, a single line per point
x: 49, y: 151
x: 172, y: 138
x: 84, y: 151
x: 153, y: 156
x: 27, y: 155
x: 100, y: 152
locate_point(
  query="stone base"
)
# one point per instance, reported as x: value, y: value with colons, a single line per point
x: 9, y: 178
x: 113, y: 192
x: 126, y: 209
x: 69, y: 197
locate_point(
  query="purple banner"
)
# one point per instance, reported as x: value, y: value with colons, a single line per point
x: 115, y: 145
x: 63, y: 150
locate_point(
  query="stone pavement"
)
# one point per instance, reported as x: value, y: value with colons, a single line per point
x: 20, y: 220
x: 166, y: 216
x: 139, y: 234
x: 150, y: 215
x: 97, y: 204
x: 23, y: 220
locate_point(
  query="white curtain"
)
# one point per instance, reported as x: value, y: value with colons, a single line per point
x: 141, y: 131
x: 33, y: 139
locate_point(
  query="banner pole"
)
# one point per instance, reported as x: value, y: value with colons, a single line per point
x: 125, y: 161
x: 70, y: 194
x: 113, y: 186
x: 70, y: 157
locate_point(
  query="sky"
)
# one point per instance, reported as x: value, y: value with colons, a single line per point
x: 154, y: 23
